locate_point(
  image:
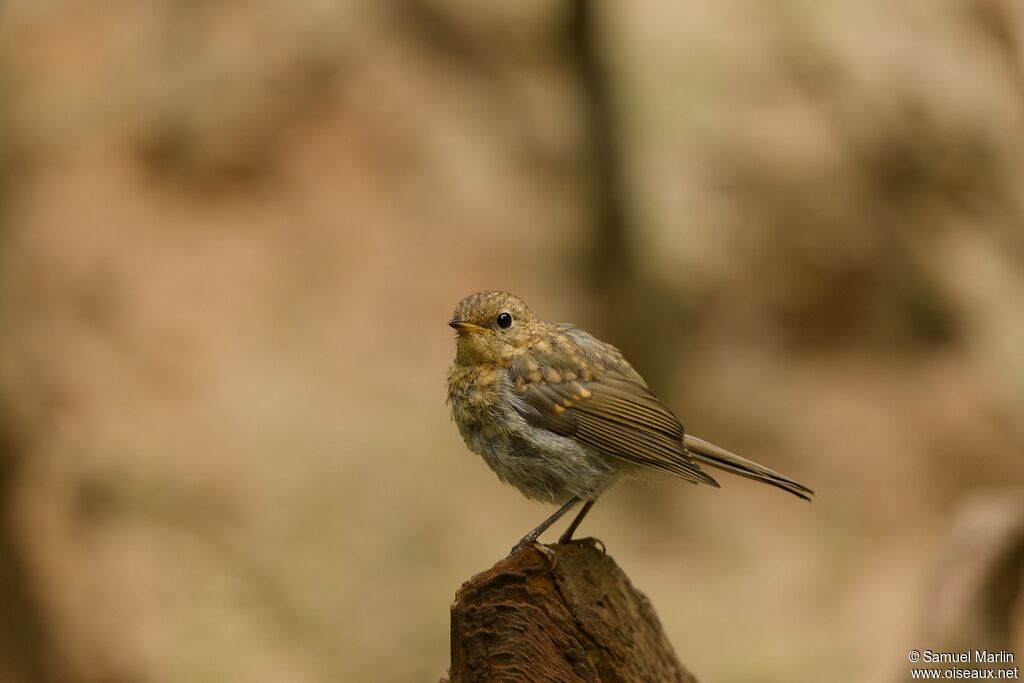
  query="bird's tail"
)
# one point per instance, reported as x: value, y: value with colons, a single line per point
x: 710, y: 454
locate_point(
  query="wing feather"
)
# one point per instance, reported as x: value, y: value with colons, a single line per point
x: 617, y: 416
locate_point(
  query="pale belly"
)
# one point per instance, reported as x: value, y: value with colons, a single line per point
x: 542, y: 465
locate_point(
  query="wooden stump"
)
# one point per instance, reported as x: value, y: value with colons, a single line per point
x: 570, y: 617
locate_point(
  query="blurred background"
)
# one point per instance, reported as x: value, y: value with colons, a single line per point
x: 231, y: 235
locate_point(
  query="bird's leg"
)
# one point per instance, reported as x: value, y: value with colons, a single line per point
x: 567, y: 536
x: 531, y: 538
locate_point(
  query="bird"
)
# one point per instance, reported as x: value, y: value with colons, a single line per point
x: 561, y: 415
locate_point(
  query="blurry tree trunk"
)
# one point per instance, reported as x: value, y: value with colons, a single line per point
x: 28, y: 643
x: 978, y: 576
x: 999, y: 21
x: 612, y: 265
x: 573, y: 617
x: 649, y: 334
x: 23, y: 640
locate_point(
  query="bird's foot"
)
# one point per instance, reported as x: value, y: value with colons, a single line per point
x: 527, y: 541
x: 547, y: 551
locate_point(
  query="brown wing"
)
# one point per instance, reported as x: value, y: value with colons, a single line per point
x: 617, y: 416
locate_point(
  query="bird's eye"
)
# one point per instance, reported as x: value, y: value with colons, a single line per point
x: 504, y: 320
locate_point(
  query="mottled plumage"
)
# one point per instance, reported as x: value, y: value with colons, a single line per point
x: 559, y: 414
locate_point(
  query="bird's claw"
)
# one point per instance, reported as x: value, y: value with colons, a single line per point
x: 547, y: 551
x: 522, y: 545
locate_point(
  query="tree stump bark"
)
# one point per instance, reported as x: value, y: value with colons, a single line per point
x: 571, y: 617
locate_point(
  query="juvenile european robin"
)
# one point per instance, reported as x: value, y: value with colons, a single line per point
x: 560, y: 415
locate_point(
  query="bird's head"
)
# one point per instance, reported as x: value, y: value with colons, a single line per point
x: 492, y: 327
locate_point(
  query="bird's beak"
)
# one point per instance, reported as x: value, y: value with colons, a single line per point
x: 463, y: 326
